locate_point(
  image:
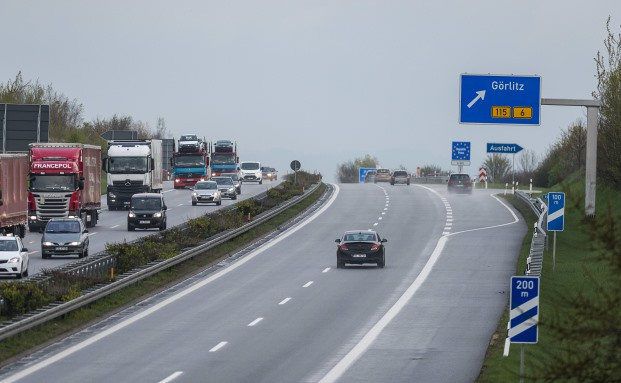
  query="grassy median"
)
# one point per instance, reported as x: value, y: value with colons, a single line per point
x: 582, y: 275
x: 26, y: 342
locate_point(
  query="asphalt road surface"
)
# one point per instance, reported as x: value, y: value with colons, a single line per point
x: 284, y: 313
x: 112, y: 225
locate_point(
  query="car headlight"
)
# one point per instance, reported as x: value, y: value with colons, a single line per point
x: 74, y: 244
x: 111, y: 195
x: 131, y: 214
x: 47, y: 244
x: 157, y: 215
x: 15, y: 260
x: 232, y: 189
x: 194, y: 194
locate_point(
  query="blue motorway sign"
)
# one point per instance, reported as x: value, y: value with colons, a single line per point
x: 504, y: 148
x: 556, y: 211
x: 524, y: 309
x: 492, y: 99
x: 362, y: 174
x: 460, y: 153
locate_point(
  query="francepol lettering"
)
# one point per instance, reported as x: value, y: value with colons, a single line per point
x: 512, y: 85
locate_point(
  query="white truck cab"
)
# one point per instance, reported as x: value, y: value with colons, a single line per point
x: 250, y: 171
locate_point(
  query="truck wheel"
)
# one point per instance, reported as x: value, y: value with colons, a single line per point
x: 234, y: 196
x: 22, y: 231
x: 45, y: 256
x: 219, y: 203
x: 194, y: 203
x: 130, y: 227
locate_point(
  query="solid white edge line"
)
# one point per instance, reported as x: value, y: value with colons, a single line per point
x: 171, y: 377
x: 218, y: 346
x: 325, y: 270
x: 360, y: 348
x: 307, y: 284
x: 284, y: 301
x: 254, y: 322
x: 95, y: 338
x: 112, y: 227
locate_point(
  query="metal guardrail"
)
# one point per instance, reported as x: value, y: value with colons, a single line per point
x: 56, y: 309
x: 534, y: 261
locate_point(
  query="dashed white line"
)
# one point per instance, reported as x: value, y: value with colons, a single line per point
x: 91, y: 234
x: 449, y: 220
x: 33, y: 252
x: 171, y: 377
x: 383, y: 212
x: 385, y: 208
x: 284, y: 301
x: 254, y: 322
x: 307, y: 284
x: 379, y: 218
x: 31, y: 242
x: 112, y: 227
x: 325, y: 270
x: 180, y: 204
x: 375, y: 224
x: 218, y: 346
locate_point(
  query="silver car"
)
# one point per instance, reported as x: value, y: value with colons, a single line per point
x: 206, y: 192
x: 236, y: 180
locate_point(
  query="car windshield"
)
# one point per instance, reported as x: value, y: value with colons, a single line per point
x: 64, y: 182
x: 127, y: 165
x: 400, y: 173
x: 226, y: 158
x: 233, y: 176
x: 190, y: 161
x: 460, y: 177
x: 62, y: 227
x: 206, y: 186
x: 383, y: 171
x: 223, y: 180
x: 8, y: 245
x: 189, y: 137
x: 146, y: 203
x: 250, y: 166
x: 359, y: 237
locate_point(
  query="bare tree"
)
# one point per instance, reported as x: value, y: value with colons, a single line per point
x: 161, y: 131
x: 528, y: 161
x: 498, y: 167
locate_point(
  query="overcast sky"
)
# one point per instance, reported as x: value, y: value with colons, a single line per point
x: 318, y: 81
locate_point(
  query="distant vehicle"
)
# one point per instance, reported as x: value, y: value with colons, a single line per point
x: 64, y: 236
x: 224, y: 157
x: 382, y: 175
x: 268, y: 173
x: 236, y: 180
x: 206, y: 192
x: 13, y: 257
x: 226, y: 186
x: 369, y: 176
x: 13, y: 194
x: 251, y: 172
x: 460, y: 183
x: 400, y: 177
x: 189, y: 166
x: 191, y: 143
x: 364, y: 246
x: 147, y: 211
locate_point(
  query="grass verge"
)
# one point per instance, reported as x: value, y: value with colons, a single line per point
x: 577, y: 266
x: 14, y: 347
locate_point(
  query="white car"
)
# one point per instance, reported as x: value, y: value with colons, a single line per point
x: 206, y: 192
x: 250, y: 171
x: 13, y: 257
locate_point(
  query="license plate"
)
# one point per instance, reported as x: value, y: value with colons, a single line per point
x: 62, y: 248
x: 143, y: 222
x: 359, y: 255
x: 190, y: 179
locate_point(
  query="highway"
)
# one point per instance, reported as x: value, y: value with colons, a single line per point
x: 112, y: 225
x: 284, y: 313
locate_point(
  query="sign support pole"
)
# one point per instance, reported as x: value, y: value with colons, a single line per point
x: 521, y: 363
x: 513, y: 170
x: 554, y: 253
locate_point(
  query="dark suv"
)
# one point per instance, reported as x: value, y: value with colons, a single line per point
x: 460, y: 183
x: 400, y: 177
x: 64, y: 236
x: 147, y: 211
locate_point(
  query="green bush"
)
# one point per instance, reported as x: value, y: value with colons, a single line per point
x: 20, y: 298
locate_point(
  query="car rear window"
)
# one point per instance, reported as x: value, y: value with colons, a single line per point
x: 383, y: 171
x: 460, y: 177
x: 359, y: 237
x: 400, y: 173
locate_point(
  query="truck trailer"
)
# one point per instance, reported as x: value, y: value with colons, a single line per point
x: 224, y: 157
x: 133, y: 166
x: 13, y: 194
x: 64, y: 181
x: 190, y: 165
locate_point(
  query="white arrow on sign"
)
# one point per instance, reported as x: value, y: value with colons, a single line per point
x: 480, y: 95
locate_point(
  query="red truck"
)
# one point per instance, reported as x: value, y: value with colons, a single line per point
x: 65, y: 181
x: 13, y: 194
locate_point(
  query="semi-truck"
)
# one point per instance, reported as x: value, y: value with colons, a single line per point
x: 224, y: 157
x: 13, y: 194
x: 132, y: 166
x: 189, y: 167
x: 64, y: 181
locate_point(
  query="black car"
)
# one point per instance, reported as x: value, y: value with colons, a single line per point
x: 64, y: 236
x: 226, y: 186
x: 362, y: 246
x: 147, y: 211
x: 460, y: 183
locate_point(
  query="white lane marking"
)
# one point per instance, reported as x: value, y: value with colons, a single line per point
x: 112, y: 227
x: 385, y: 208
x: 284, y: 301
x: 171, y: 377
x: 180, y: 204
x: 325, y: 270
x: 515, y: 220
x: 375, y: 224
x: 379, y: 218
x: 446, y: 232
x: 218, y: 346
x: 95, y: 338
x: 383, y: 212
x: 307, y: 284
x: 33, y: 252
x: 31, y: 242
x: 91, y: 234
x: 350, y: 358
x: 254, y: 322
x: 449, y: 220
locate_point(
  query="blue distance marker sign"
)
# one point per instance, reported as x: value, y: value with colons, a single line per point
x: 504, y: 148
x: 362, y: 174
x: 524, y: 309
x: 492, y: 99
x: 556, y: 211
x: 460, y: 153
